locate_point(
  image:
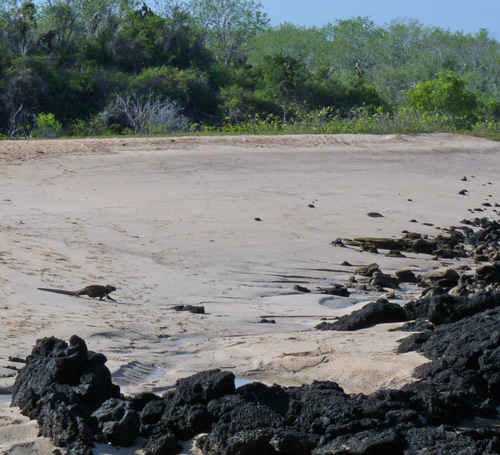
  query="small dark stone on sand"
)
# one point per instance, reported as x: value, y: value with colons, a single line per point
x: 299, y: 288
x: 17, y: 359
x: 267, y: 321
x: 413, y: 221
x: 447, y: 278
x: 191, y: 308
x: 257, y: 219
x: 464, y: 178
x: 395, y: 254
x: 367, y: 270
x: 311, y: 206
x: 347, y: 264
x: 410, y: 200
x: 463, y: 192
x: 433, y: 290
x: 406, y: 276
x: 337, y: 289
x: 375, y: 215
x: 384, y: 280
x: 369, y: 248
x: 486, y: 204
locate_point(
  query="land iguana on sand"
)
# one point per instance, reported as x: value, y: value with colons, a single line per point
x: 93, y: 291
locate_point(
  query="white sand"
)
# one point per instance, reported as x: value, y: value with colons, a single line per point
x: 172, y: 221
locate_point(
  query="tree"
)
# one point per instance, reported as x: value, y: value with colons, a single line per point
x: 228, y: 24
x: 18, y: 27
x: 353, y: 42
x: 307, y: 44
x: 146, y: 39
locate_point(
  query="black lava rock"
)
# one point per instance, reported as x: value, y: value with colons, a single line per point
x: 60, y: 386
x: 384, y: 280
x: 203, y: 387
x: 336, y: 289
x: 300, y: 288
x: 420, y: 325
x: 118, y: 422
x: 445, y: 308
x: 378, y: 312
x: 367, y: 270
x: 195, y: 309
x: 406, y: 276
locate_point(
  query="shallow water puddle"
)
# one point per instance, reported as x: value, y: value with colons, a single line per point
x: 240, y: 382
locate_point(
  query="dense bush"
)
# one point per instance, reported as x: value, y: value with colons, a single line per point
x: 222, y: 68
x: 447, y: 94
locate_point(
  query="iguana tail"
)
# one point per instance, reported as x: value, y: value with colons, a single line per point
x: 58, y: 291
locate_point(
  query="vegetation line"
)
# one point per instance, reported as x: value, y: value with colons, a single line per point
x: 78, y: 68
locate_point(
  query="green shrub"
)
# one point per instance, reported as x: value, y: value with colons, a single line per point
x: 447, y: 94
x: 46, y: 126
x: 92, y: 127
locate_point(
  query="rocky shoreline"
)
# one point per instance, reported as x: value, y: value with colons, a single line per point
x: 69, y: 391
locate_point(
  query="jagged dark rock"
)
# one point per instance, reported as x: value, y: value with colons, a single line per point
x: 450, y: 246
x: 385, y: 281
x: 446, y: 279
x: 203, y: 387
x: 432, y: 290
x: 388, y: 441
x: 153, y: 412
x: 302, y: 289
x: 367, y: 270
x: 162, y: 443
x: 336, y: 289
x: 445, y: 308
x: 378, y: 312
x: 395, y: 254
x: 60, y: 386
x: 369, y: 247
x: 195, y: 309
x: 489, y: 273
x: 463, y: 378
x: 406, y: 276
x: 118, y: 421
x: 420, y: 325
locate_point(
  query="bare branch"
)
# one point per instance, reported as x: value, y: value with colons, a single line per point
x: 150, y: 114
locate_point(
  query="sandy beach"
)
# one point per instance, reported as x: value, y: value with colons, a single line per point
x: 228, y: 223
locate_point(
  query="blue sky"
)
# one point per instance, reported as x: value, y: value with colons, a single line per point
x: 457, y: 15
